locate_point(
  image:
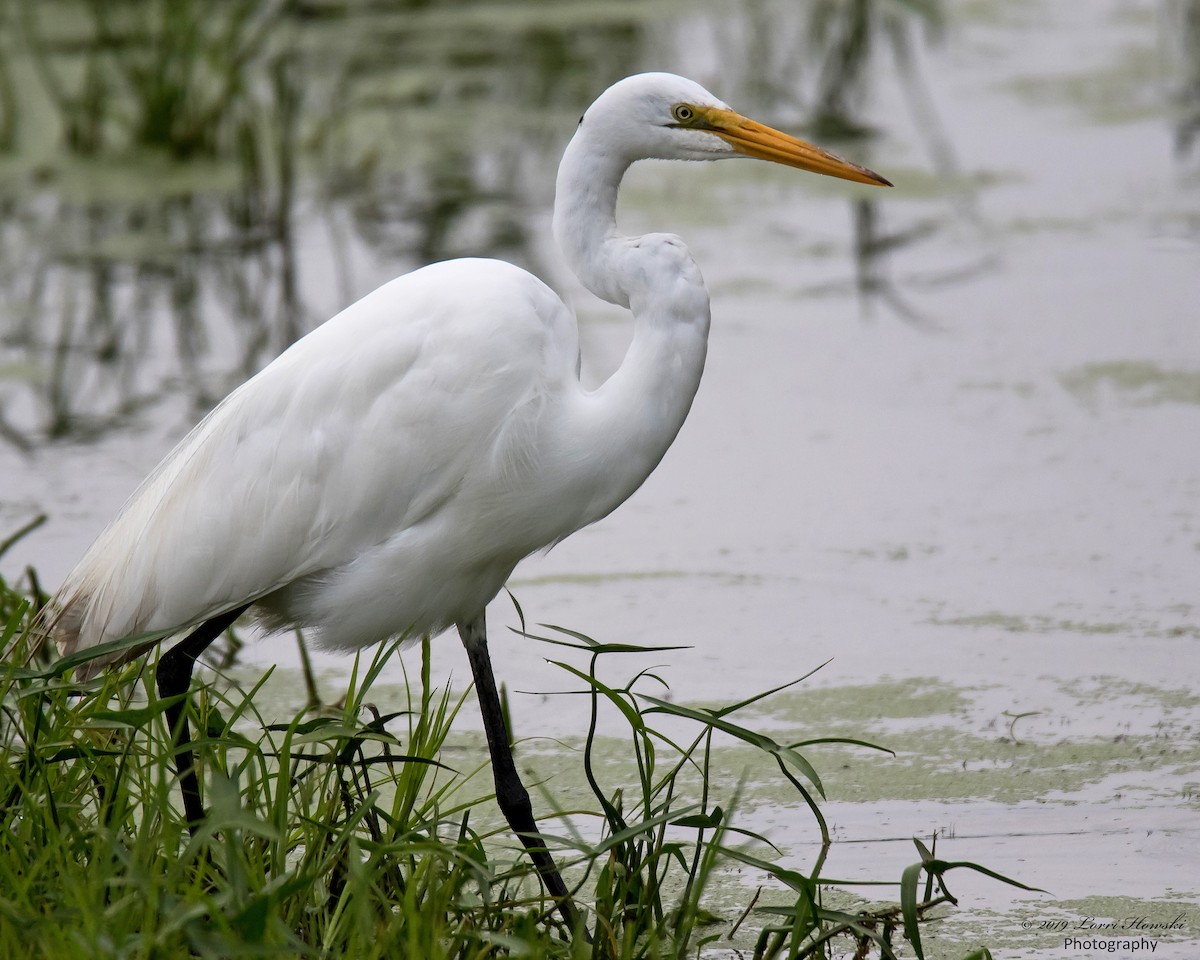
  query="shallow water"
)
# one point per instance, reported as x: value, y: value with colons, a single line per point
x: 947, y: 434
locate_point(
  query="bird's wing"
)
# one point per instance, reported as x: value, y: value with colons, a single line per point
x: 358, y: 430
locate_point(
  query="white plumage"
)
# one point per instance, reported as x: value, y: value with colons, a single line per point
x: 385, y: 474
x: 380, y: 476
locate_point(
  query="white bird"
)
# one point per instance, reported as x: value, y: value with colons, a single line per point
x: 385, y: 474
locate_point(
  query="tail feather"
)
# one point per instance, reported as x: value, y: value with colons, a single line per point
x: 64, y: 623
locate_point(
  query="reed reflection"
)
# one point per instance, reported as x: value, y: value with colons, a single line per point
x: 1182, y: 18
x: 208, y: 153
x: 821, y: 66
x: 157, y: 252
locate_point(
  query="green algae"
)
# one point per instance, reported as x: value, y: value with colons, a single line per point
x: 864, y: 704
x: 1176, y: 918
x: 1043, y: 928
x: 1108, y: 689
x: 950, y: 757
x: 1013, y: 623
x: 946, y: 752
x: 1136, y: 381
x: 942, y: 751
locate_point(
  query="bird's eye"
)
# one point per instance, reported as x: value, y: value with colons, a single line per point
x: 683, y: 113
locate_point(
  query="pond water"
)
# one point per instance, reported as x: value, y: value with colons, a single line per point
x: 948, y: 436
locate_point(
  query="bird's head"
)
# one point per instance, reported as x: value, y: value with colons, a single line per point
x: 666, y: 117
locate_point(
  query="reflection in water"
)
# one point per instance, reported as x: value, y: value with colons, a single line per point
x: 872, y: 246
x: 1183, y: 19
x: 851, y: 49
x: 845, y: 38
x: 205, y: 157
x: 86, y: 304
x: 398, y: 129
x: 178, y: 75
x: 848, y: 40
x: 8, y: 98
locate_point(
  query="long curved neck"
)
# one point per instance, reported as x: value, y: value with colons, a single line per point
x: 585, y: 213
x: 624, y: 427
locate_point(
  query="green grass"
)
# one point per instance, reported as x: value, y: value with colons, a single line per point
x: 343, y: 832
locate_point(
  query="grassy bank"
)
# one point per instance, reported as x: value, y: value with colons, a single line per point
x: 345, y: 832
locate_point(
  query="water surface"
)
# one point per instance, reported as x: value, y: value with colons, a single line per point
x: 947, y: 435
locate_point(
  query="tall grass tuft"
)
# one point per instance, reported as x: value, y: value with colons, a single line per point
x: 345, y: 832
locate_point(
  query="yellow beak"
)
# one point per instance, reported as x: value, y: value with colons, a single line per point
x: 758, y: 140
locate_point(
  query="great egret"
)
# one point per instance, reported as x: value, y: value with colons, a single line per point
x: 387, y: 472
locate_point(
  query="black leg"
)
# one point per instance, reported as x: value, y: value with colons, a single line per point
x: 511, y: 794
x: 174, y: 676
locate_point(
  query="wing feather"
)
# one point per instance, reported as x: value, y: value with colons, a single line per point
x: 363, y: 428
